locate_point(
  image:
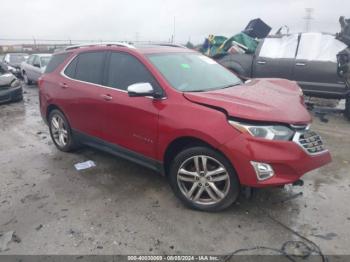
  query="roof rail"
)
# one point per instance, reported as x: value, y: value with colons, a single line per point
x: 100, y: 44
x: 169, y: 44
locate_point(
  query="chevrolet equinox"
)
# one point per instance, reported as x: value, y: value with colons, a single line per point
x: 181, y: 114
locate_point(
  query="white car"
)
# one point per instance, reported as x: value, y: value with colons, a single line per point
x: 34, y: 67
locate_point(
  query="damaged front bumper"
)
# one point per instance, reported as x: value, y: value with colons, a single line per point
x: 263, y: 163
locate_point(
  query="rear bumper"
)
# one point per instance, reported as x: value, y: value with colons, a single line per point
x: 11, y: 94
x: 288, y: 160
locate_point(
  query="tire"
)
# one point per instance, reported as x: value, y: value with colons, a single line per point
x: 195, y: 189
x: 61, y: 133
x: 347, y: 108
x: 26, y: 79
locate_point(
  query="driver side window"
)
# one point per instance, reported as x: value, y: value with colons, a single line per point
x: 125, y: 70
x: 282, y: 47
x: 31, y: 60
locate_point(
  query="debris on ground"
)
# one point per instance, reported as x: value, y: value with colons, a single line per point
x: 39, y: 227
x: 6, y: 238
x: 294, y: 196
x: 84, y: 165
x: 328, y: 236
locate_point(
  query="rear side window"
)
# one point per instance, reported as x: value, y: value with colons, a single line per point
x: 125, y: 70
x: 55, y: 61
x: 89, y: 67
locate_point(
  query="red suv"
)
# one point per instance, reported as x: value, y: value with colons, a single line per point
x: 182, y: 114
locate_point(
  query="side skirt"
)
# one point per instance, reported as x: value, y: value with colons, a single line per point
x: 119, y: 151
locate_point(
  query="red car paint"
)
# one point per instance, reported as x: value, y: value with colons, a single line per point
x: 149, y: 126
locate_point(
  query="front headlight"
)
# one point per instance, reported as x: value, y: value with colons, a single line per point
x: 270, y: 132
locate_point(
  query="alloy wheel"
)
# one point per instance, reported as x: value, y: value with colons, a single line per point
x: 203, y: 180
x: 59, y: 130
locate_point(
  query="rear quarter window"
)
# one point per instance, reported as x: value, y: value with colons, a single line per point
x: 71, y: 68
x: 55, y: 61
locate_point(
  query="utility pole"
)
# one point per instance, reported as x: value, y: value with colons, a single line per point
x: 173, y: 36
x: 308, y: 17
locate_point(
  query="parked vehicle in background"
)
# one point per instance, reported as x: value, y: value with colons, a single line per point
x: 34, y: 67
x: 10, y: 88
x: 180, y: 113
x: 12, y: 63
x: 308, y: 58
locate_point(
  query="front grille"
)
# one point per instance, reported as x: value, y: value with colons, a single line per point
x: 311, y: 142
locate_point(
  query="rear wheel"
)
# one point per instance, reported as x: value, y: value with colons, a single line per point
x: 204, y: 179
x: 61, y: 132
x: 347, y: 108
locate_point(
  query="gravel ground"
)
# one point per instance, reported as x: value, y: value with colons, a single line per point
x: 118, y: 207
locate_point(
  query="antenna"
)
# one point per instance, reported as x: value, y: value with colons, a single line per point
x: 308, y: 17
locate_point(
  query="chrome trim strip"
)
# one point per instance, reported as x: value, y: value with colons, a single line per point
x: 296, y: 140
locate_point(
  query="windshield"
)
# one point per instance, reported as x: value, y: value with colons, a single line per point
x: 190, y: 72
x: 45, y: 60
x: 17, y: 58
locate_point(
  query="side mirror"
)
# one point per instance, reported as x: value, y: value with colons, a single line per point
x: 140, y: 89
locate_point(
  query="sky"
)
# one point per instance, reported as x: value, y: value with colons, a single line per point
x: 153, y: 20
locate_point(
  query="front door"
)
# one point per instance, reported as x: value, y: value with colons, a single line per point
x: 130, y: 122
x: 276, y: 58
x: 315, y: 66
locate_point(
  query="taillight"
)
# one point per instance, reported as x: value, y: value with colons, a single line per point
x: 40, y: 82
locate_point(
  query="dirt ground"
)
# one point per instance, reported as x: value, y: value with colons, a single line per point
x: 119, y: 207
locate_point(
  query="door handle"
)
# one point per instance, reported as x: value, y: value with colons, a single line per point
x: 300, y: 64
x: 107, y: 97
x: 63, y: 85
x: 262, y: 62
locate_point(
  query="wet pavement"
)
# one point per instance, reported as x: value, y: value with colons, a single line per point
x: 119, y: 207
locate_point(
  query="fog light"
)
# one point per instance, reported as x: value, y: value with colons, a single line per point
x: 263, y: 171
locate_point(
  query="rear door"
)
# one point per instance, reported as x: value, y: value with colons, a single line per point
x: 316, y: 64
x: 83, y: 100
x: 130, y: 122
x: 276, y: 57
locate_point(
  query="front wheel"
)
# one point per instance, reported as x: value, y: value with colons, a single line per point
x: 347, y: 108
x: 204, y: 179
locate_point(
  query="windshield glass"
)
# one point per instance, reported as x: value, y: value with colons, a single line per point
x: 45, y: 60
x: 17, y: 58
x: 190, y: 72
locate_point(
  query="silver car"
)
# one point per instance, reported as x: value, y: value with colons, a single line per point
x: 34, y: 67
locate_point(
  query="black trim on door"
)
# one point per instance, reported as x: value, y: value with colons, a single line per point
x: 119, y: 151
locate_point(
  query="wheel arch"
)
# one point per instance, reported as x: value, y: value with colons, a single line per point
x: 181, y: 143
x: 49, y: 110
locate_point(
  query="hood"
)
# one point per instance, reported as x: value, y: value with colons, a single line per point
x: 270, y: 100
